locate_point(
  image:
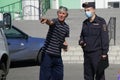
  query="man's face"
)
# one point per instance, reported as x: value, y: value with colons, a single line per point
x: 62, y: 15
x: 91, y: 9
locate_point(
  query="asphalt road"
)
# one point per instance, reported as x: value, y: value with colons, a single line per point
x: 72, y: 72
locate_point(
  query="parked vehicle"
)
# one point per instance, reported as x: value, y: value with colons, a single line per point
x: 4, y: 54
x: 23, y: 48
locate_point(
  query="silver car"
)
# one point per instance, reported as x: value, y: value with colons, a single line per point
x: 4, y: 54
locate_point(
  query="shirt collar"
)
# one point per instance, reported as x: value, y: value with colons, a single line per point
x: 96, y: 19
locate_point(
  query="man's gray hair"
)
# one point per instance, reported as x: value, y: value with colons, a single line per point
x: 62, y: 8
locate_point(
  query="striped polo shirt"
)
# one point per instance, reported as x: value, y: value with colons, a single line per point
x: 56, y: 37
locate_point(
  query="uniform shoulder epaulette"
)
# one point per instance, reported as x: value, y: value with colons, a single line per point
x: 85, y: 21
x: 101, y: 19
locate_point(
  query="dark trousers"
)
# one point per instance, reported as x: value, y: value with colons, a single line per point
x: 51, y: 68
x: 91, y: 60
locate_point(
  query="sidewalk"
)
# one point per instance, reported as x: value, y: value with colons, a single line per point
x: 75, y: 55
x: 75, y: 72
x: 72, y: 71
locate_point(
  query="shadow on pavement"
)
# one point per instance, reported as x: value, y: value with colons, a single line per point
x: 23, y: 64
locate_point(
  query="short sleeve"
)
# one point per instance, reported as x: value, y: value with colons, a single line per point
x: 54, y: 20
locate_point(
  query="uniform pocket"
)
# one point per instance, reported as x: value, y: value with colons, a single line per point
x: 95, y: 31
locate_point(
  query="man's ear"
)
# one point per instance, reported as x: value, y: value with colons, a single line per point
x: 67, y: 15
x: 57, y: 12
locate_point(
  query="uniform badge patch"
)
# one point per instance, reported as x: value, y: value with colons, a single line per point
x: 96, y: 24
x: 104, y: 27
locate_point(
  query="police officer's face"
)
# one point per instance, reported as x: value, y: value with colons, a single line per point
x: 91, y: 9
x: 62, y: 15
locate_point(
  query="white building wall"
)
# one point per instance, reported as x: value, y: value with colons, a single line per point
x: 30, y: 9
x: 113, y: 0
x: 87, y: 1
x: 101, y: 4
x: 1, y: 16
x: 55, y: 4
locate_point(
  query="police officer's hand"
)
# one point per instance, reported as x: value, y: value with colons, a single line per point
x: 82, y: 44
x: 104, y: 56
x: 43, y: 20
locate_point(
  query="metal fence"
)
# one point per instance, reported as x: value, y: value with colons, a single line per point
x: 27, y: 9
x: 14, y: 8
x: 112, y: 30
x: 45, y: 5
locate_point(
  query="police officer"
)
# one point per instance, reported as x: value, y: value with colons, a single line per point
x: 94, y: 42
x: 52, y: 64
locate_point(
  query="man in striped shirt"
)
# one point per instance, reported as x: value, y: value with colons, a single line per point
x: 52, y: 64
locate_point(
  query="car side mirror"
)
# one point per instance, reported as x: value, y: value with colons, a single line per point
x: 7, y: 20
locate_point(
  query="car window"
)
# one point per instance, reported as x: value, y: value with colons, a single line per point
x: 13, y: 33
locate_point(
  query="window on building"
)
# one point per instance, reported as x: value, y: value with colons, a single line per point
x: 114, y: 4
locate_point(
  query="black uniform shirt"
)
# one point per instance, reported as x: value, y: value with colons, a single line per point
x: 95, y: 35
x: 55, y: 37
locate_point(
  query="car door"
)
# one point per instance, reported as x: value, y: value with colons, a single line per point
x: 17, y: 42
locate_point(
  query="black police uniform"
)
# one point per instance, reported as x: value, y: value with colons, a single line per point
x: 95, y: 35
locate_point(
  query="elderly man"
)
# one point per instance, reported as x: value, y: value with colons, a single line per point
x: 95, y: 43
x: 52, y: 64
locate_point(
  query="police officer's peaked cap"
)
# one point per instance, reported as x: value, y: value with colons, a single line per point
x: 88, y: 4
x: 62, y: 8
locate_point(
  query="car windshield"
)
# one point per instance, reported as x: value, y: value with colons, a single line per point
x: 12, y: 33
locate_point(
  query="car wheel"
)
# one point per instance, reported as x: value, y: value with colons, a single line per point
x: 39, y: 57
x: 3, y: 71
